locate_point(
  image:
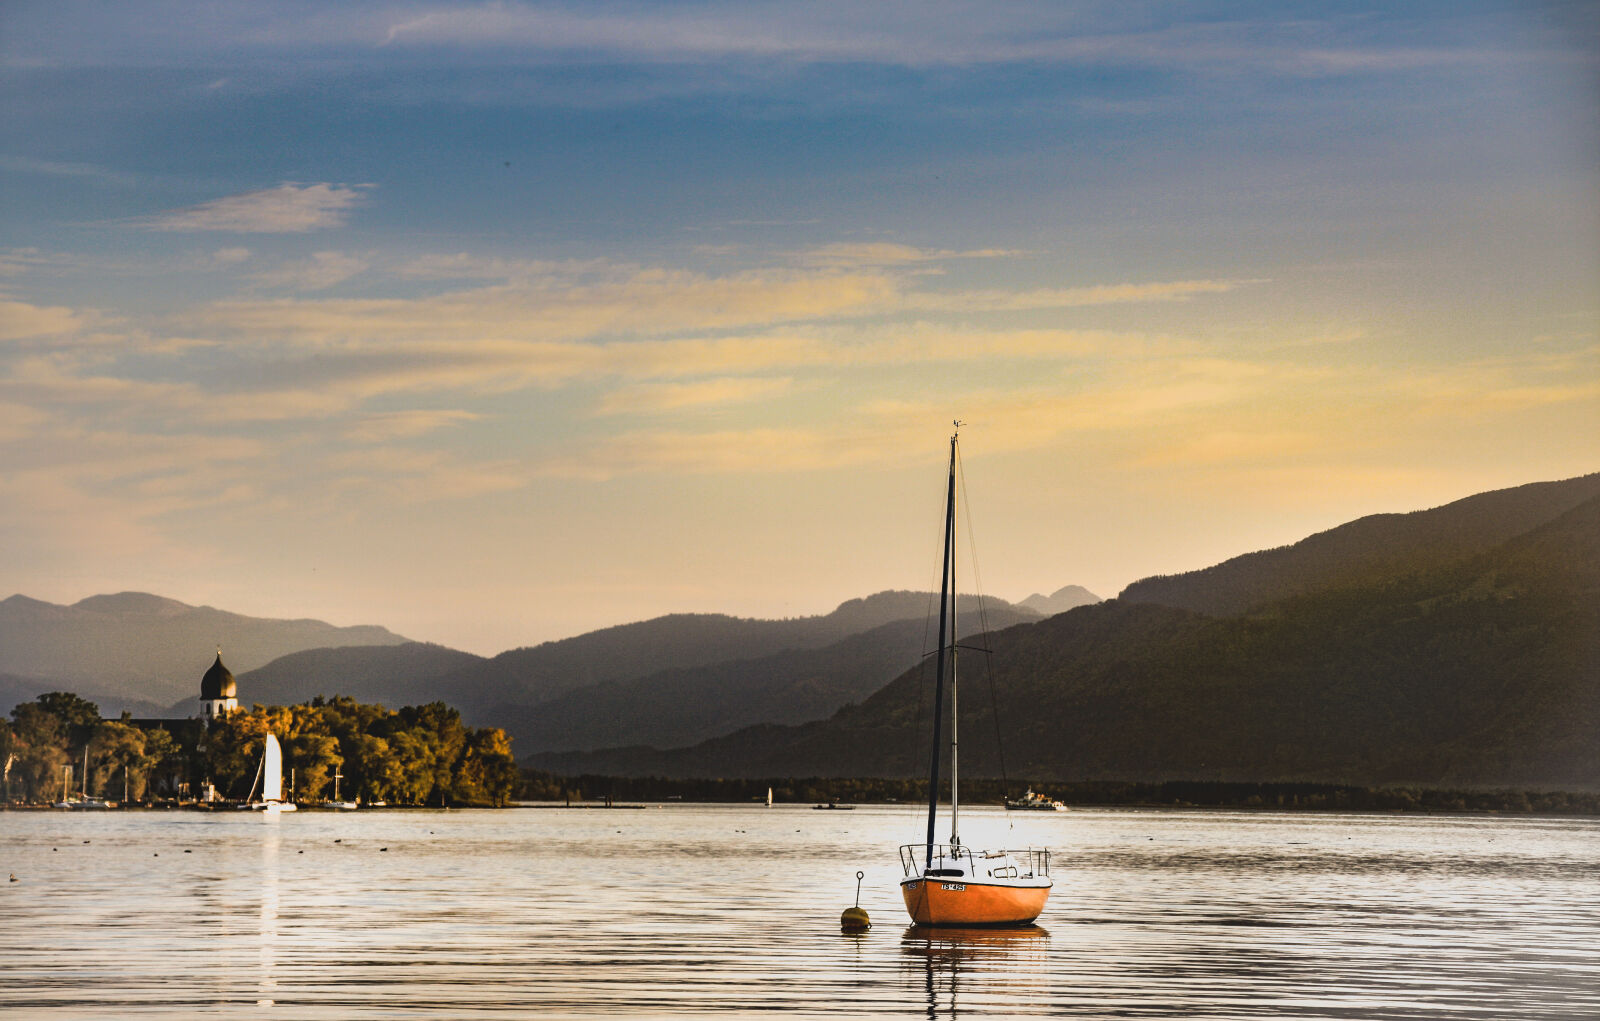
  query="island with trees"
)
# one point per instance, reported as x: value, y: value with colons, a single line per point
x: 57, y: 747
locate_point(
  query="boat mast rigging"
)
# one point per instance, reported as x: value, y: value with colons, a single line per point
x: 955, y: 885
x: 946, y: 647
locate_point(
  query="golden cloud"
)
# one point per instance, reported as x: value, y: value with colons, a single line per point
x: 646, y: 398
x: 21, y: 321
x: 287, y: 209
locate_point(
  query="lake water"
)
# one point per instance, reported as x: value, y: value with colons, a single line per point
x: 689, y: 910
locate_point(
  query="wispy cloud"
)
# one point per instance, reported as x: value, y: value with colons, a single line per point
x: 646, y: 398
x: 944, y: 34
x: 20, y: 320
x: 1069, y: 297
x: 467, y: 266
x: 548, y: 302
x: 887, y: 253
x: 396, y: 425
x: 287, y: 209
x: 759, y: 451
x: 315, y: 273
x: 90, y: 171
x: 17, y: 421
x: 414, y: 476
x: 646, y: 300
x: 769, y: 38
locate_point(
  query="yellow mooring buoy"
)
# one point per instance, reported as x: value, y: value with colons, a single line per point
x: 854, y: 919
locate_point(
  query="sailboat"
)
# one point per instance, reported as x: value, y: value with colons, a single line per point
x: 270, y: 776
x: 66, y: 779
x: 951, y: 884
x: 348, y: 806
x: 83, y: 801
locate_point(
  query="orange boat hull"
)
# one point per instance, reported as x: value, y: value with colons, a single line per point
x: 950, y: 902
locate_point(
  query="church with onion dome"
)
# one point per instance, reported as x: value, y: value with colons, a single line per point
x: 219, y: 694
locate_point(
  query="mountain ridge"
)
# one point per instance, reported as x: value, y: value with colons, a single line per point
x: 535, y: 674
x: 1370, y: 548
x: 150, y: 648
x: 688, y: 704
x: 1482, y: 669
x: 1060, y: 601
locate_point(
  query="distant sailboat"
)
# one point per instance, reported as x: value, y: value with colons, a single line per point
x: 83, y: 801
x: 66, y: 780
x: 769, y: 797
x: 949, y: 884
x: 347, y: 806
x: 270, y: 775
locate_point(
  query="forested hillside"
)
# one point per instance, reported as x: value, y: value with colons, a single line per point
x: 393, y: 675
x: 683, y: 706
x: 1368, y: 550
x: 1485, y: 670
x: 529, y: 677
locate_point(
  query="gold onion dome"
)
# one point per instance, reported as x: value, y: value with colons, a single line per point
x: 218, y: 682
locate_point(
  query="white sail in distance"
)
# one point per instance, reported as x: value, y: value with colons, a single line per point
x: 272, y: 772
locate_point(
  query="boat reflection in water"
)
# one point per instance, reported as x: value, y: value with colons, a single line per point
x: 979, y: 969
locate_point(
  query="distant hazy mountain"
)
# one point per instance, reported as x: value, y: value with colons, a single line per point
x: 689, y: 704
x: 1060, y: 601
x: 1370, y: 549
x: 532, y: 676
x: 145, y: 647
x: 391, y: 675
x: 676, y: 678
x: 1479, y: 670
x: 14, y: 690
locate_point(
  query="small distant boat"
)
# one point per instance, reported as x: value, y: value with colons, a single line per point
x: 82, y: 803
x: 832, y: 807
x: 270, y: 776
x: 769, y: 797
x: 343, y: 806
x: 1031, y: 802
x: 950, y: 884
x: 66, y: 779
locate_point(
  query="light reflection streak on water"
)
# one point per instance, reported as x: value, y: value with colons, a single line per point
x: 733, y: 910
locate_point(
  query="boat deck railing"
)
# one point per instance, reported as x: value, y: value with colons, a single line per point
x: 948, y: 859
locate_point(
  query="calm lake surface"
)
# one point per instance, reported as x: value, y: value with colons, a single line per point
x: 690, y: 910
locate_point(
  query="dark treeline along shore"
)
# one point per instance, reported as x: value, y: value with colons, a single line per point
x: 541, y: 786
x: 414, y: 756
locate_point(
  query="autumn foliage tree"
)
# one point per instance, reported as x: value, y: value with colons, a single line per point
x: 420, y: 755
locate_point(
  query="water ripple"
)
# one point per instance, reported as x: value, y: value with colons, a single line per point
x: 693, y: 911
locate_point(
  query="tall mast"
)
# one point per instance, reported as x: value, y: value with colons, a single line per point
x: 944, y: 621
x: 955, y: 640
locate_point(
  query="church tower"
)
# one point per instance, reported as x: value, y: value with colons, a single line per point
x: 219, y: 695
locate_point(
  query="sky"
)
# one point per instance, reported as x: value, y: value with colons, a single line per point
x: 495, y: 323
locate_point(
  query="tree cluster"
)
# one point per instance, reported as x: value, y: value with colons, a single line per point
x: 414, y: 756
x: 418, y: 755
x: 42, y: 748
